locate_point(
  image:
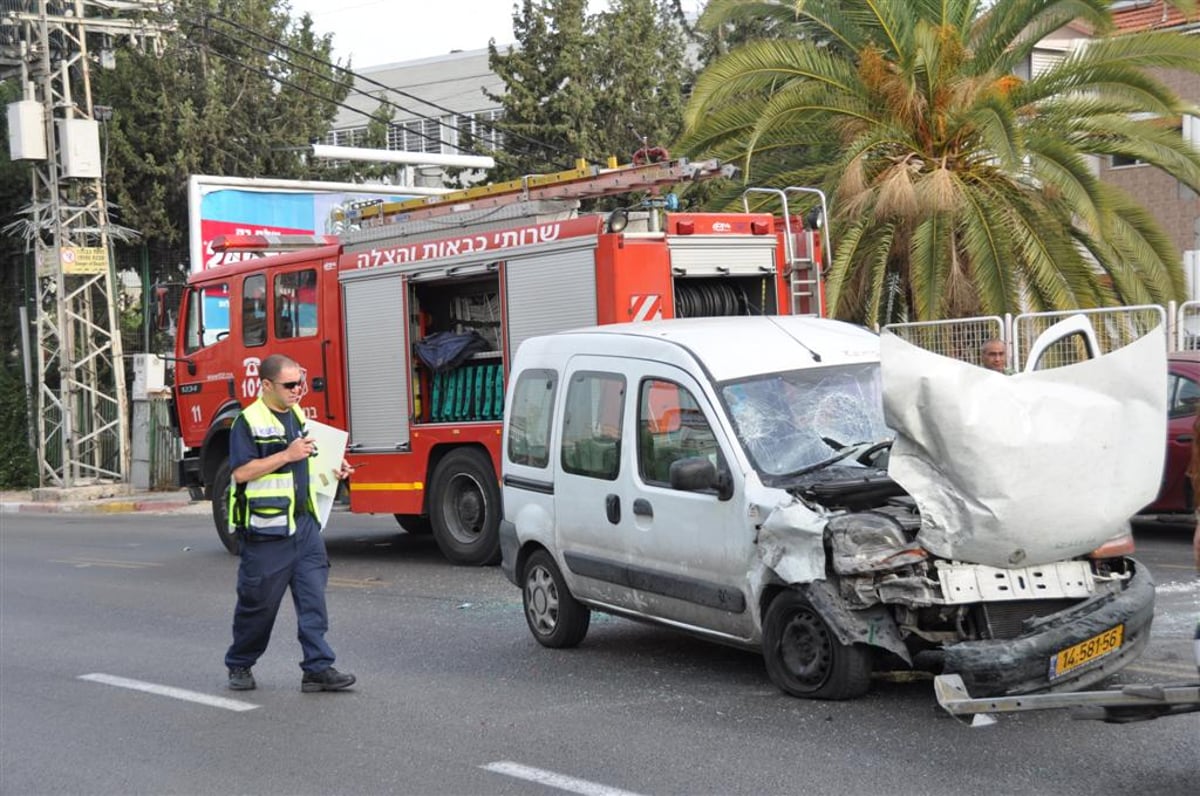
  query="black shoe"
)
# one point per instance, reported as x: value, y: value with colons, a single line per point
x: 329, y: 680
x: 240, y: 679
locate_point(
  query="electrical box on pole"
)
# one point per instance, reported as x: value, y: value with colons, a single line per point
x: 26, y: 130
x: 79, y: 148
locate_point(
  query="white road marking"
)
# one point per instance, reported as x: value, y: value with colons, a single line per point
x: 553, y: 780
x: 168, y: 691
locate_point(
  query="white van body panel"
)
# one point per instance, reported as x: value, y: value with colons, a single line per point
x: 696, y: 472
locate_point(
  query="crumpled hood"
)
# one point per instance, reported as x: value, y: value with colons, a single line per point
x: 1031, y: 468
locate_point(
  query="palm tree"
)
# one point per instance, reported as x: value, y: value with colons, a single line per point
x: 957, y: 187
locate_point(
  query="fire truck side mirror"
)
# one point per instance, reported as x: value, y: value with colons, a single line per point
x: 158, y: 308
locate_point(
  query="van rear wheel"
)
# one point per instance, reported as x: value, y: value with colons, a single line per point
x: 554, y: 616
x: 804, y: 657
x: 464, y: 508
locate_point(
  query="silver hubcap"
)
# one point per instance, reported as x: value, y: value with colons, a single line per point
x: 541, y: 600
x: 464, y: 508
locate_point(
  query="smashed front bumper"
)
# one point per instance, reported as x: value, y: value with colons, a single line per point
x: 1022, y: 665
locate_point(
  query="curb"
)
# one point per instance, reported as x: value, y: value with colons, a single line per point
x: 111, y: 507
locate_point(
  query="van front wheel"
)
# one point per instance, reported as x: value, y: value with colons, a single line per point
x: 804, y: 657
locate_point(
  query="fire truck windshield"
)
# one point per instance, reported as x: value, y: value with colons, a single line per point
x: 207, y: 316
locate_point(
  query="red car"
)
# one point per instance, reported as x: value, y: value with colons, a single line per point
x: 1183, y: 392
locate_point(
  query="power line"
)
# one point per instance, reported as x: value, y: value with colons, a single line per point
x: 508, y: 134
x: 315, y: 73
x: 303, y: 90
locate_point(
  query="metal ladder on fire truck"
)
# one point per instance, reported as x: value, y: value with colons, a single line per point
x: 582, y: 182
x: 361, y: 221
x: 806, y: 254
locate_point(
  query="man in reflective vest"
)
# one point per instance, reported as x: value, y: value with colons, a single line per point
x: 272, y: 509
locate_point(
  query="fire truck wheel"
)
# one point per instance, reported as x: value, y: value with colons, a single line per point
x: 464, y: 508
x: 416, y: 524
x: 554, y: 616
x: 220, y: 506
x: 804, y: 657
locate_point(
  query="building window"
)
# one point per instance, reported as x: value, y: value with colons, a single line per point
x: 1121, y: 161
x: 476, y: 132
x: 349, y: 136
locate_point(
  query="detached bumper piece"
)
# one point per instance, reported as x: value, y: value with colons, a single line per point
x: 1117, y: 706
x: 1065, y: 651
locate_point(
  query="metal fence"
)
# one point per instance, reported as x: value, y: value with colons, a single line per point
x: 959, y: 339
x: 1113, y: 328
x: 165, y: 445
x: 1187, y: 327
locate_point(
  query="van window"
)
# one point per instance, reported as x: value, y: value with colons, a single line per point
x: 591, y: 437
x: 529, y: 420
x: 671, y: 426
x: 296, y: 304
x: 208, y: 316
x: 254, y: 310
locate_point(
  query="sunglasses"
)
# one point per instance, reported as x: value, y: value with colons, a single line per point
x: 289, y: 385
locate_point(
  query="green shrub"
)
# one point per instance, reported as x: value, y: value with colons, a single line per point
x: 18, y: 465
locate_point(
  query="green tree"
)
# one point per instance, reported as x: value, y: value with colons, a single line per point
x: 18, y: 466
x: 17, y: 463
x: 579, y: 86
x: 640, y: 73
x: 239, y: 90
x: 958, y: 187
x: 548, y: 102
x: 14, y: 197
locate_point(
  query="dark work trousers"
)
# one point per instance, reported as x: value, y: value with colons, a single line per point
x: 267, y: 569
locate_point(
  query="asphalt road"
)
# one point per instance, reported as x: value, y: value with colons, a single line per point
x: 455, y: 697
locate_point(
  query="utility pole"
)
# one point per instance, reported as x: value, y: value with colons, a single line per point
x: 82, y: 410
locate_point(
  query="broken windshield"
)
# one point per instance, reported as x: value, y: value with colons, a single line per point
x: 792, y: 420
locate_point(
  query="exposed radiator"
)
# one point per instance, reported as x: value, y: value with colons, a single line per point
x: 1003, y: 620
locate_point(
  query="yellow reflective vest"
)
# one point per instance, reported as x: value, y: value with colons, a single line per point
x: 265, y: 506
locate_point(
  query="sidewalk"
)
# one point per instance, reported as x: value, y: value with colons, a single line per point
x: 109, y: 499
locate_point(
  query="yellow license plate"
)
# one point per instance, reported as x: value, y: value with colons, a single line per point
x: 1087, y: 651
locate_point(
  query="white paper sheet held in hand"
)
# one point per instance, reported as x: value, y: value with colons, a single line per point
x: 1031, y: 468
x: 331, y: 449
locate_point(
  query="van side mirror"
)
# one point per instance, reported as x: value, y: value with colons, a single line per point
x: 697, y: 474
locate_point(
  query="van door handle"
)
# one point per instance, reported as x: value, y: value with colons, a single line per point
x: 1184, y: 438
x: 642, y: 508
x: 612, y: 507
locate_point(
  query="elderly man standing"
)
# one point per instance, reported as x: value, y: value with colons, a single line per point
x: 993, y: 355
x: 272, y: 509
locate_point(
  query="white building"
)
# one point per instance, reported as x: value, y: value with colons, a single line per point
x: 435, y: 101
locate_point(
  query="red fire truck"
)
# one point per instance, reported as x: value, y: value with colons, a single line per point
x: 496, y: 265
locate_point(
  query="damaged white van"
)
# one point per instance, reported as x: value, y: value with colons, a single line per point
x: 741, y: 480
